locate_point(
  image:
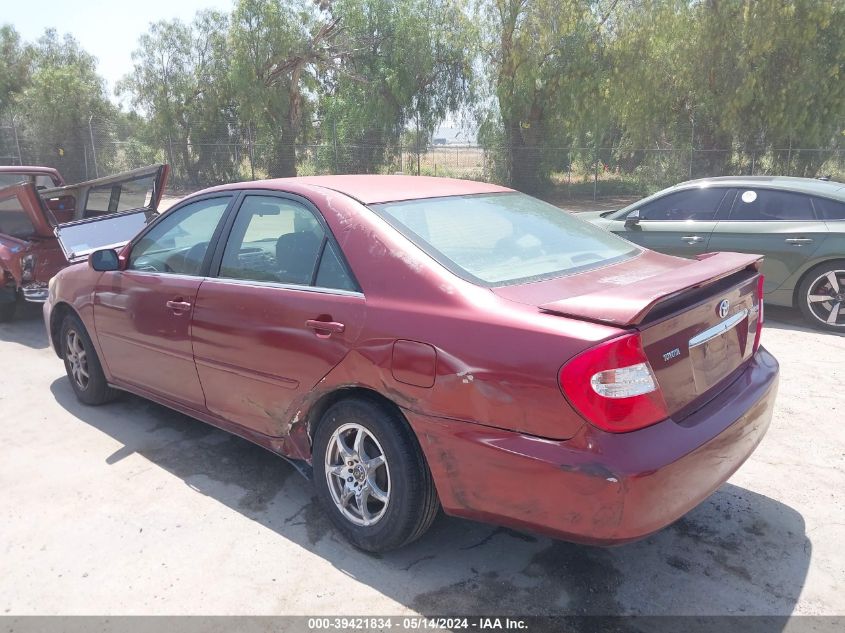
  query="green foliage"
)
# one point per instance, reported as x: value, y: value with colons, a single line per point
x: 650, y: 90
x: 181, y: 80
x: 401, y: 64
x: 61, y: 92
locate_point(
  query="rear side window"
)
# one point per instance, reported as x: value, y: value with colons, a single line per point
x: 279, y: 240
x: 692, y: 204
x: 503, y: 238
x: 122, y: 196
x: 829, y: 209
x: 768, y: 205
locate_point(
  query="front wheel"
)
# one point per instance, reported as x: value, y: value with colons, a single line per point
x: 82, y: 365
x: 821, y: 296
x: 371, y: 477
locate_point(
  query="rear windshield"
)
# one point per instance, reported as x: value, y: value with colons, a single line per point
x: 504, y: 238
x: 41, y: 181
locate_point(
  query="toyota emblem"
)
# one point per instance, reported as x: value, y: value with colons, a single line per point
x: 724, y: 306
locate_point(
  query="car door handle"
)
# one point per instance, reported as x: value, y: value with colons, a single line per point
x: 178, y: 306
x: 320, y: 327
x: 692, y: 239
x: 799, y: 240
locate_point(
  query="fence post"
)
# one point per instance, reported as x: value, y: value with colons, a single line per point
x: 251, y: 150
x: 93, y: 149
x: 569, y: 174
x: 596, y: 173
x: 753, y: 158
x: 334, y: 125
x: 17, y: 142
x: 789, y: 158
x: 691, y: 146
x: 170, y: 152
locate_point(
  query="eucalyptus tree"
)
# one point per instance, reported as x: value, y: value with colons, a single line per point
x: 545, y: 63
x: 405, y: 63
x: 180, y: 81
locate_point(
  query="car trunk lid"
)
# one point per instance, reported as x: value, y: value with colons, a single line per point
x: 697, y: 319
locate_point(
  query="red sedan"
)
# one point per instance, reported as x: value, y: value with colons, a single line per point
x: 423, y: 342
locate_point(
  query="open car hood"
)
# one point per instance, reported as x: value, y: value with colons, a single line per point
x: 627, y: 304
x: 101, y: 213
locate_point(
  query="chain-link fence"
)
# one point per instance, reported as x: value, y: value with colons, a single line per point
x: 231, y: 152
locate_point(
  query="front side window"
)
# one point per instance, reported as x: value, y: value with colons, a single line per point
x: 279, y: 240
x: 692, y: 204
x: 178, y: 242
x: 767, y: 205
x: 504, y: 238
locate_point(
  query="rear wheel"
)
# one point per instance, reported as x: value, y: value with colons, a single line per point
x: 371, y: 477
x: 821, y: 296
x: 82, y: 365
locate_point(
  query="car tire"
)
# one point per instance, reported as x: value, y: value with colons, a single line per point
x: 817, y: 283
x: 82, y: 365
x: 7, y: 311
x: 398, y: 497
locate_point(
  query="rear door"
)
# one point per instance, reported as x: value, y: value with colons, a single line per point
x: 781, y: 225
x: 282, y: 312
x: 679, y: 223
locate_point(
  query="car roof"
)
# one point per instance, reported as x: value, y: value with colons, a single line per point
x: 26, y: 169
x: 377, y: 188
x: 811, y: 186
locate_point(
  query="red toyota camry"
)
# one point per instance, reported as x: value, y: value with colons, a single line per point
x: 415, y: 343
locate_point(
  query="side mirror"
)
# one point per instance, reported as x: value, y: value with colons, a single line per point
x: 104, y: 260
x: 632, y: 219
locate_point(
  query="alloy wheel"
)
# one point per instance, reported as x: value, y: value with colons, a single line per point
x: 357, y: 474
x: 826, y: 298
x: 77, y: 357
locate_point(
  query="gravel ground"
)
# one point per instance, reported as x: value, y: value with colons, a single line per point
x: 133, y: 509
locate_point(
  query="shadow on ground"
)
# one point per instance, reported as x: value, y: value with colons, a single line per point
x: 738, y: 553
x: 781, y: 318
x: 27, y: 327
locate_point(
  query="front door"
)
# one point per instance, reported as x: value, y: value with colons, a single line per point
x: 778, y: 224
x: 143, y: 313
x: 678, y: 223
x: 283, y: 311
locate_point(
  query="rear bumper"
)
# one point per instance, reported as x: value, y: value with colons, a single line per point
x: 600, y: 488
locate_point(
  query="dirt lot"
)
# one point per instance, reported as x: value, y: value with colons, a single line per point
x: 131, y: 508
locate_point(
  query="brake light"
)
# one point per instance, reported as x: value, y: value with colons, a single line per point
x: 759, y: 331
x: 613, y: 386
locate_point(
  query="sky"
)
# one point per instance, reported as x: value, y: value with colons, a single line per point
x: 109, y: 29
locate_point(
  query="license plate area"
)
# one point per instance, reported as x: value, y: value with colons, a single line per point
x: 718, y: 351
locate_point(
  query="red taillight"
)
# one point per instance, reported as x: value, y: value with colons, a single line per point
x: 759, y: 313
x: 613, y: 387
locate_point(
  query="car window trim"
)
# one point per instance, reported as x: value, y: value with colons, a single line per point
x: 282, y: 286
x: 203, y: 271
x: 738, y: 196
x: 220, y: 246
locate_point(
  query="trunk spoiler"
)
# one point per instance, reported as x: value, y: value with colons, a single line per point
x: 627, y: 305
